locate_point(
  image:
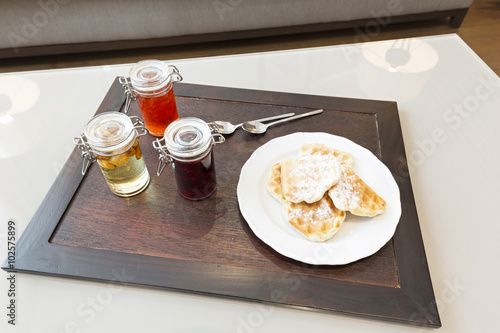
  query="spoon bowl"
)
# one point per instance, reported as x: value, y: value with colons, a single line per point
x: 226, y: 127
x: 256, y: 127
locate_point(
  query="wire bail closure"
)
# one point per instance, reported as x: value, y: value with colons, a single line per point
x: 166, y: 159
x: 126, y: 83
x: 175, y: 75
x: 216, y: 136
x: 87, y: 153
x: 138, y: 126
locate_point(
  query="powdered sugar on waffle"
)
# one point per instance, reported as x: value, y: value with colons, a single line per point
x: 317, y: 188
x: 322, y: 212
x: 307, y: 178
x: 345, y: 193
x: 346, y: 159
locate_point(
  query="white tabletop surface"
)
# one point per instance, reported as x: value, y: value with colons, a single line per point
x: 449, y: 103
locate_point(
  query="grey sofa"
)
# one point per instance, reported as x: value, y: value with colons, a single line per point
x: 43, y: 27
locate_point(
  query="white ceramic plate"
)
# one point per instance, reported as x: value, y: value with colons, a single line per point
x: 358, y: 237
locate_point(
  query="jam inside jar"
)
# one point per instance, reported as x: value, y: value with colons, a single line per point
x: 188, y: 148
x: 158, y: 110
x: 196, y: 179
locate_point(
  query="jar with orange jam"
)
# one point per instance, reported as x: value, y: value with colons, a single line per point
x: 150, y: 83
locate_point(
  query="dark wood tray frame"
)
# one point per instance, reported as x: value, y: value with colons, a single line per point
x: 412, y: 301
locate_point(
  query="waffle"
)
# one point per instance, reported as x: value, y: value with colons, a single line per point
x: 317, y: 188
x: 318, y: 221
x: 346, y: 159
x: 308, y: 177
x: 274, y: 183
x: 352, y: 194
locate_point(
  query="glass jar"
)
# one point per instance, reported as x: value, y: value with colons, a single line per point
x: 188, y: 147
x: 111, y: 140
x: 150, y: 83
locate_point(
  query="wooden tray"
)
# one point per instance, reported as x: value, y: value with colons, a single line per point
x: 160, y: 239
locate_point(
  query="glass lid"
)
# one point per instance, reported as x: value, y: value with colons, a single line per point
x: 109, y: 131
x: 150, y: 75
x: 188, y: 137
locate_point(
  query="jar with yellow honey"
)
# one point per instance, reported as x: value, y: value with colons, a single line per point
x: 111, y: 140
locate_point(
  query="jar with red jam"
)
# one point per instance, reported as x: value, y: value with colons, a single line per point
x: 150, y: 83
x: 187, y: 145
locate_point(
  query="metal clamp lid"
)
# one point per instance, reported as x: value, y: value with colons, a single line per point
x: 165, y: 158
x: 138, y: 126
x: 88, y: 154
x: 126, y: 82
x: 127, y: 85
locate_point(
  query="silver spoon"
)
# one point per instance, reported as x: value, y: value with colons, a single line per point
x: 226, y: 127
x: 257, y: 127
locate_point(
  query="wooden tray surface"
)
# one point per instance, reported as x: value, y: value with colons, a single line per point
x: 158, y: 238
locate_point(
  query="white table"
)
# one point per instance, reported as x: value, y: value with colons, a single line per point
x: 449, y: 103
